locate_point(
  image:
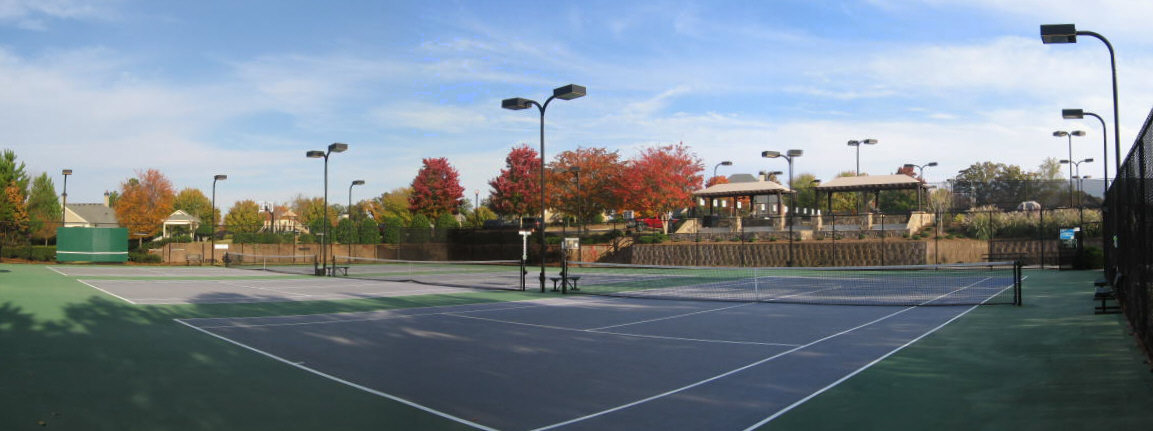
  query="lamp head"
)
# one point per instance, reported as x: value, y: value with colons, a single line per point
x: 1064, y: 162
x: 1089, y: 160
x: 67, y: 172
x: 1058, y: 33
x: 515, y: 103
x: 1072, y: 114
x: 869, y: 142
x: 315, y: 154
x: 931, y: 164
x: 910, y: 166
x: 358, y: 182
x: 854, y: 143
x: 219, y: 177
x: 727, y: 163
x: 770, y: 154
x: 1060, y: 134
x: 1077, y: 133
x: 568, y: 92
x: 337, y: 147
x: 795, y: 153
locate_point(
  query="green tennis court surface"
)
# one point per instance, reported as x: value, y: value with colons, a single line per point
x: 76, y: 358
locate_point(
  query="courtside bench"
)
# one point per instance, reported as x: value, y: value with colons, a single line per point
x: 335, y: 269
x: 1104, y: 293
x: 197, y: 258
x: 571, y: 283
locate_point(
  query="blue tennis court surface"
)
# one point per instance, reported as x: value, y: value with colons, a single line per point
x: 591, y: 363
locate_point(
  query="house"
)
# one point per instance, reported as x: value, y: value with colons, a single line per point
x: 90, y: 215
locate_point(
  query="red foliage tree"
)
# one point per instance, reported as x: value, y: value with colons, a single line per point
x: 516, y: 191
x: 436, y: 189
x: 661, y: 180
x: 600, y: 174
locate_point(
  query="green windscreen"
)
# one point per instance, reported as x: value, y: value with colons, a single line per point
x: 91, y: 244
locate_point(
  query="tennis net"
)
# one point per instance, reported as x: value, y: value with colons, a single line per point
x: 953, y: 284
x: 478, y: 274
x: 288, y: 264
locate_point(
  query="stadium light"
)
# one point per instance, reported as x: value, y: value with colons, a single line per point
x: 788, y: 156
x: 212, y: 217
x: 567, y: 92
x: 1070, y: 135
x: 335, y: 147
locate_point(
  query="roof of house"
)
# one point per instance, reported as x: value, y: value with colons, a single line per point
x: 870, y: 183
x: 96, y: 214
x: 754, y: 188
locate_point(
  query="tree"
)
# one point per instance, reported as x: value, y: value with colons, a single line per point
x: 806, y: 194
x: 436, y: 189
x: 311, y: 213
x: 600, y: 174
x: 43, y: 208
x: 447, y: 221
x: 516, y: 190
x: 244, y: 217
x: 845, y: 203
x: 196, y: 204
x: 391, y: 204
x: 145, y: 202
x: 11, y: 171
x: 660, y: 180
x: 14, y: 224
x: 368, y: 232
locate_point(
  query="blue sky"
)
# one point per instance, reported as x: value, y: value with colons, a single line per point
x: 245, y: 88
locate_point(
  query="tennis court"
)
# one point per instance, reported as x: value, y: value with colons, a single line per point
x: 591, y: 362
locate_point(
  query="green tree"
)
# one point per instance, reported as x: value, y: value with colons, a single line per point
x: 447, y: 221
x: 244, y: 217
x: 11, y: 171
x: 196, y: 204
x: 392, y: 204
x: 419, y: 229
x: 43, y: 208
x: 345, y: 231
x: 368, y: 232
x: 806, y: 194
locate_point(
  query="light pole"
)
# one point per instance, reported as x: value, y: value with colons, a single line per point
x: 858, y: 144
x: 568, y: 92
x: 1076, y: 165
x: 212, y: 217
x: 1076, y: 114
x: 576, y: 171
x: 724, y: 163
x: 1070, y: 135
x: 64, y: 195
x: 336, y: 147
x: 789, y: 156
x: 1067, y: 33
x: 921, y: 171
x: 352, y: 223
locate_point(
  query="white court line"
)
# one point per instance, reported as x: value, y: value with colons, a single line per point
x: 369, y: 319
x: 869, y: 365
x: 593, y: 331
x: 110, y: 293
x: 346, y: 382
x: 734, y: 371
x: 671, y: 317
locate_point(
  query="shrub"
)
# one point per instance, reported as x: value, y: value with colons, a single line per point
x: 140, y: 256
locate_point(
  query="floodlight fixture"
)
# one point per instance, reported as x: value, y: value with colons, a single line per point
x: 770, y: 154
x: 314, y: 154
x: 569, y: 92
x: 1058, y: 33
x: 337, y: 147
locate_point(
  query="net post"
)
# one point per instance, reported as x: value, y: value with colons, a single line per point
x: 1017, y: 275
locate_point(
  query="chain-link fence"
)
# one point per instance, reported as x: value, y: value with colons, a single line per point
x: 1130, y: 257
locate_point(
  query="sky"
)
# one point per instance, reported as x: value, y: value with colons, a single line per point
x: 109, y: 88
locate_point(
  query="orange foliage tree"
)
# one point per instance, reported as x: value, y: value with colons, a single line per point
x: 600, y: 173
x: 661, y: 180
x: 144, y: 203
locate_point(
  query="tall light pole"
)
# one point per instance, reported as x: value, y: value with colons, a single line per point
x: 1067, y: 33
x: 921, y: 173
x: 724, y: 163
x: 212, y: 218
x: 1076, y: 165
x: 1070, y: 135
x: 352, y: 223
x: 64, y: 195
x: 1076, y: 114
x: 858, y: 144
x: 789, y: 156
x: 568, y: 92
x: 576, y: 171
x: 336, y: 147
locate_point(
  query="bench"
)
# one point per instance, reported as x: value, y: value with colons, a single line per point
x: 571, y: 283
x: 199, y: 259
x: 1104, y: 293
x: 334, y: 270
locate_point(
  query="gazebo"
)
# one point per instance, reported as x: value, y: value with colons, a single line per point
x: 869, y: 183
x: 745, y: 189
